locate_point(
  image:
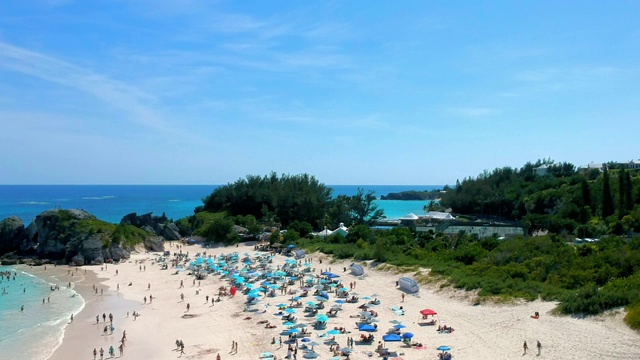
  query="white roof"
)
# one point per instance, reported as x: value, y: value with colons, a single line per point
x: 409, y: 216
x: 439, y: 215
x: 325, y: 233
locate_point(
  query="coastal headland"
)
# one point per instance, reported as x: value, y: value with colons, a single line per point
x: 481, y: 331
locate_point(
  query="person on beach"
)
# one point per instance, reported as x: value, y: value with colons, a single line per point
x: 188, y: 307
x: 95, y: 353
x: 182, y: 296
x: 97, y: 319
x: 218, y: 356
x: 71, y: 317
x: 525, y: 347
x: 104, y: 317
x: 111, y: 318
x: 101, y: 353
x: 539, y: 346
x: 22, y: 308
x: 112, y: 351
x: 402, y: 297
x: 121, y: 349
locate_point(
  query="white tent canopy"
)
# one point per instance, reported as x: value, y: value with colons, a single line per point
x: 325, y: 233
x: 409, y: 216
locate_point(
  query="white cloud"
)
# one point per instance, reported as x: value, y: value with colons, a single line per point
x: 137, y: 104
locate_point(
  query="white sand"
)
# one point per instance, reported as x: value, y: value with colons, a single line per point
x: 481, y: 332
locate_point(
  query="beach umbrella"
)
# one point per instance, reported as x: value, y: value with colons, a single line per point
x: 288, y: 324
x: 367, y: 327
x: 399, y: 326
x: 340, y: 301
x: 290, y: 310
x: 281, y: 305
x: 322, y: 317
x: 343, y: 289
x: 443, y: 348
x: 333, y: 332
x: 346, y: 350
x: 407, y: 335
x: 311, y: 303
x: 333, y: 285
x: 427, y: 312
x: 391, y: 337
x: 320, y: 298
x: 295, y: 298
x: 366, y: 298
x: 293, y: 330
x: 305, y: 340
x: 307, y: 264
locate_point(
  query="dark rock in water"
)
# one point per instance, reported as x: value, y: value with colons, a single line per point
x: 12, y: 234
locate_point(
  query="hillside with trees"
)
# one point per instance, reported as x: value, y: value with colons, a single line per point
x: 565, y: 200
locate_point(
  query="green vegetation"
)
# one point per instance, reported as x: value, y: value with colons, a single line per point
x: 299, y: 203
x: 567, y: 203
x: 416, y: 195
x: 70, y: 231
x: 563, y: 201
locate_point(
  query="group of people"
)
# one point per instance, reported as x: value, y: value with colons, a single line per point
x: 526, y: 347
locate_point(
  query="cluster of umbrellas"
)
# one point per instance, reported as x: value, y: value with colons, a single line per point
x: 248, y: 275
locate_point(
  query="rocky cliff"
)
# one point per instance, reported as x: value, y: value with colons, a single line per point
x: 159, y: 225
x: 74, y: 236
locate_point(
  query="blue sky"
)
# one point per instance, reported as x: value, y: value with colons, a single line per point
x: 352, y: 92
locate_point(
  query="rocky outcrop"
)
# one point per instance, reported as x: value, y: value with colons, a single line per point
x: 154, y: 243
x: 159, y: 225
x: 12, y: 234
x: 77, y: 237
x: 169, y: 231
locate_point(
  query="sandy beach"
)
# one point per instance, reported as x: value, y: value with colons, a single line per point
x: 485, y: 331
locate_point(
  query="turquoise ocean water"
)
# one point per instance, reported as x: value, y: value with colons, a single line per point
x: 112, y: 202
x: 18, y: 330
x: 38, y: 330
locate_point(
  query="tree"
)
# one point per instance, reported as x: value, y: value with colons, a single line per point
x: 586, y: 193
x: 607, y: 199
x: 363, y: 209
x: 628, y: 195
x: 622, y: 193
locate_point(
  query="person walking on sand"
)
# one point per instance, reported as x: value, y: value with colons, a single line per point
x: 101, y: 353
x: 402, y: 297
x: 112, y: 351
x: 121, y: 349
x: 218, y: 356
x: 525, y: 347
x: 539, y: 346
x: 95, y: 353
x: 188, y: 307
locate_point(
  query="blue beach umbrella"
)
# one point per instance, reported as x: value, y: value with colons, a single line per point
x: 399, y: 326
x: 296, y: 298
x: 290, y: 310
x: 281, y: 305
x: 407, y: 335
x: 340, y: 301
x: 391, y: 337
x: 333, y: 332
x: 443, y: 348
x: 293, y: 330
x: 289, y: 323
x: 305, y: 340
x: 322, y: 317
x: 367, y: 327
